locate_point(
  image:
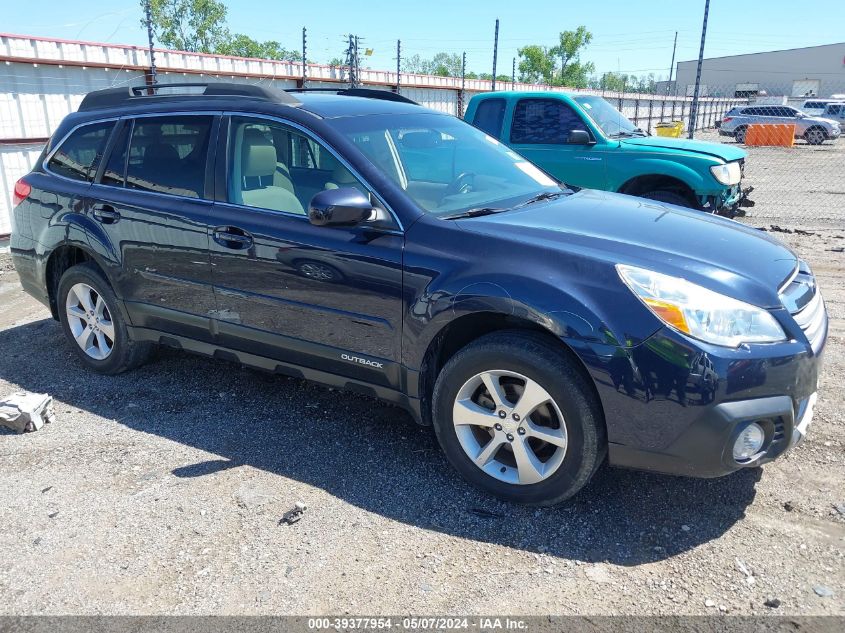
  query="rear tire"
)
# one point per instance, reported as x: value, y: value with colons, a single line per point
x: 669, y: 197
x: 93, y: 322
x: 739, y: 134
x: 514, y: 462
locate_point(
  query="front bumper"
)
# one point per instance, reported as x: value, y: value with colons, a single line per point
x: 676, y: 406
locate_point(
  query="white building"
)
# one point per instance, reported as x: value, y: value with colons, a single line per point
x: 817, y: 71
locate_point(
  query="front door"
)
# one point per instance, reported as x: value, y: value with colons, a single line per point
x: 320, y: 297
x: 540, y: 131
x: 152, y: 201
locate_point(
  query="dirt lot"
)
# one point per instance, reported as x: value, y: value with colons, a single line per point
x: 161, y: 491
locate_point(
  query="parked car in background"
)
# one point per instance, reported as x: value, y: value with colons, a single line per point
x: 814, y: 107
x: 834, y: 112
x: 586, y: 142
x: 815, y: 130
x: 378, y: 246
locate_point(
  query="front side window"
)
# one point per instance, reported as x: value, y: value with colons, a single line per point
x: 273, y: 166
x: 489, y: 116
x: 544, y: 122
x: 168, y: 154
x: 78, y: 155
x: 443, y: 164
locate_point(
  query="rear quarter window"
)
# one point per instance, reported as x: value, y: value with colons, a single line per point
x: 489, y: 117
x: 78, y: 155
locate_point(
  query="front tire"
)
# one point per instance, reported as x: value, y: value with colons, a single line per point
x: 516, y: 417
x: 815, y: 136
x: 739, y: 134
x: 93, y: 323
x: 669, y: 197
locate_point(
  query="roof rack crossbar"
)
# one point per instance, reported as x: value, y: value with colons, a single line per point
x: 112, y: 97
x: 368, y: 93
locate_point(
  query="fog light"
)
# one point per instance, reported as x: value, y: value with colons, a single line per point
x: 749, y: 442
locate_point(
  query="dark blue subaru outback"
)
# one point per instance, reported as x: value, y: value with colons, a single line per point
x: 362, y: 241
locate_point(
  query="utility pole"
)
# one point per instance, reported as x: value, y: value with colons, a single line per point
x: 672, y: 65
x: 153, y: 76
x: 357, y: 61
x: 398, y: 63
x: 495, y: 52
x: 463, y: 85
x: 693, y: 115
x: 513, y: 75
x: 304, y: 58
x: 350, y: 61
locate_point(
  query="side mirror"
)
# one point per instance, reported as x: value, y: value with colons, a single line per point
x: 346, y: 206
x: 579, y: 137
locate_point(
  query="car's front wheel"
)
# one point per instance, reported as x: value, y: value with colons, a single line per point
x: 739, y: 134
x: 815, y: 136
x: 93, y: 323
x: 517, y: 418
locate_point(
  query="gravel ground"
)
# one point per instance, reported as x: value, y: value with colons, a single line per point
x: 160, y: 491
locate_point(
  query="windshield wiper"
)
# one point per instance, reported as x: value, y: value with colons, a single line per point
x: 474, y: 213
x: 628, y: 133
x: 546, y: 195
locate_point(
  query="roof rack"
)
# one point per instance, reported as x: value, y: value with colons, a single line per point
x: 368, y: 93
x: 112, y: 97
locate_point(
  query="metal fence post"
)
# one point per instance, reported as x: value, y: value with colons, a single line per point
x: 650, y: 109
x: 636, y: 110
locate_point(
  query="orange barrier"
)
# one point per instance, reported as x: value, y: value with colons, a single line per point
x: 780, y: 134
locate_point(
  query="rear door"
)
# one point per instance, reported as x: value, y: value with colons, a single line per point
x: 329, y: 298
x: 152, y: 199
x: 540, y: 129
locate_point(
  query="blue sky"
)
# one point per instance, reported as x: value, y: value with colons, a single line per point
x: 632, y: 36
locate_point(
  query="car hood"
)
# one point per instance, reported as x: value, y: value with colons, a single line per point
x: 726, y: 152
x: 610, y: 228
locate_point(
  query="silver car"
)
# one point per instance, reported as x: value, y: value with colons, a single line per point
x: 814, y: 130
x: 834, y: 112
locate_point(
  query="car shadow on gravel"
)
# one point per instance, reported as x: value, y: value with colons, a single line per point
x: 369, y: 454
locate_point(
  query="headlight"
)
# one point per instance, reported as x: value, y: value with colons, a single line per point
x: 701, y: 313
x: 727, y: 173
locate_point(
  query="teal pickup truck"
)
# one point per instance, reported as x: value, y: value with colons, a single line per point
x: 584, y: 141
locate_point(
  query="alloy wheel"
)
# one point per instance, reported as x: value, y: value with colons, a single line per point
x: 90, y: 322
x: 815, y: 137
x: 510, y: 427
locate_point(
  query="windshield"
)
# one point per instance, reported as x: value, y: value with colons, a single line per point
x: 445, y: 165
x: 611, y: 121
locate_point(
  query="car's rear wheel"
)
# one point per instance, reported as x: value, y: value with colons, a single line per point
x: 669, y: 197
x: 518, y: 419
x: 815, y: 136
x: 739, y: 134
x: 93, y: 323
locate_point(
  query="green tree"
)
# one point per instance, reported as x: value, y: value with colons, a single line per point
x: 241, y: 45
x: 189, y: 25
x: 536, y: 64
x: 445, y: 65
x: 573, y: 72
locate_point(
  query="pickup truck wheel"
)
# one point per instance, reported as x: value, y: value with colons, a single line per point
x: 669, y: 197
x: 739, y: 134
x: 517, y: 419
x: 815, y: 136
x: 93, y: 323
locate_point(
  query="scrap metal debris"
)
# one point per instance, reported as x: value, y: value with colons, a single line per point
x: 294, y: 514
x: 25, y: 411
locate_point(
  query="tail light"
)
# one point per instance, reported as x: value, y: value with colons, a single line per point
x: 21, y: 192
x: 726, y: 119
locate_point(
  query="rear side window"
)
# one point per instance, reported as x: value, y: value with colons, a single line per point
x: 168, y: 154
x: 489, y: 116
x: 78, y: 155
x: 544, y: 121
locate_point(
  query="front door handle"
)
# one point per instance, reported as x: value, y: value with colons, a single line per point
x: 232, y: 237
x: 106, y: 214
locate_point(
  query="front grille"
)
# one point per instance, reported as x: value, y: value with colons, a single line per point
x: 804, y: 301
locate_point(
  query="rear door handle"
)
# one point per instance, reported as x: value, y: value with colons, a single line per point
x: 232, y: 237
x: 106, y: 214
